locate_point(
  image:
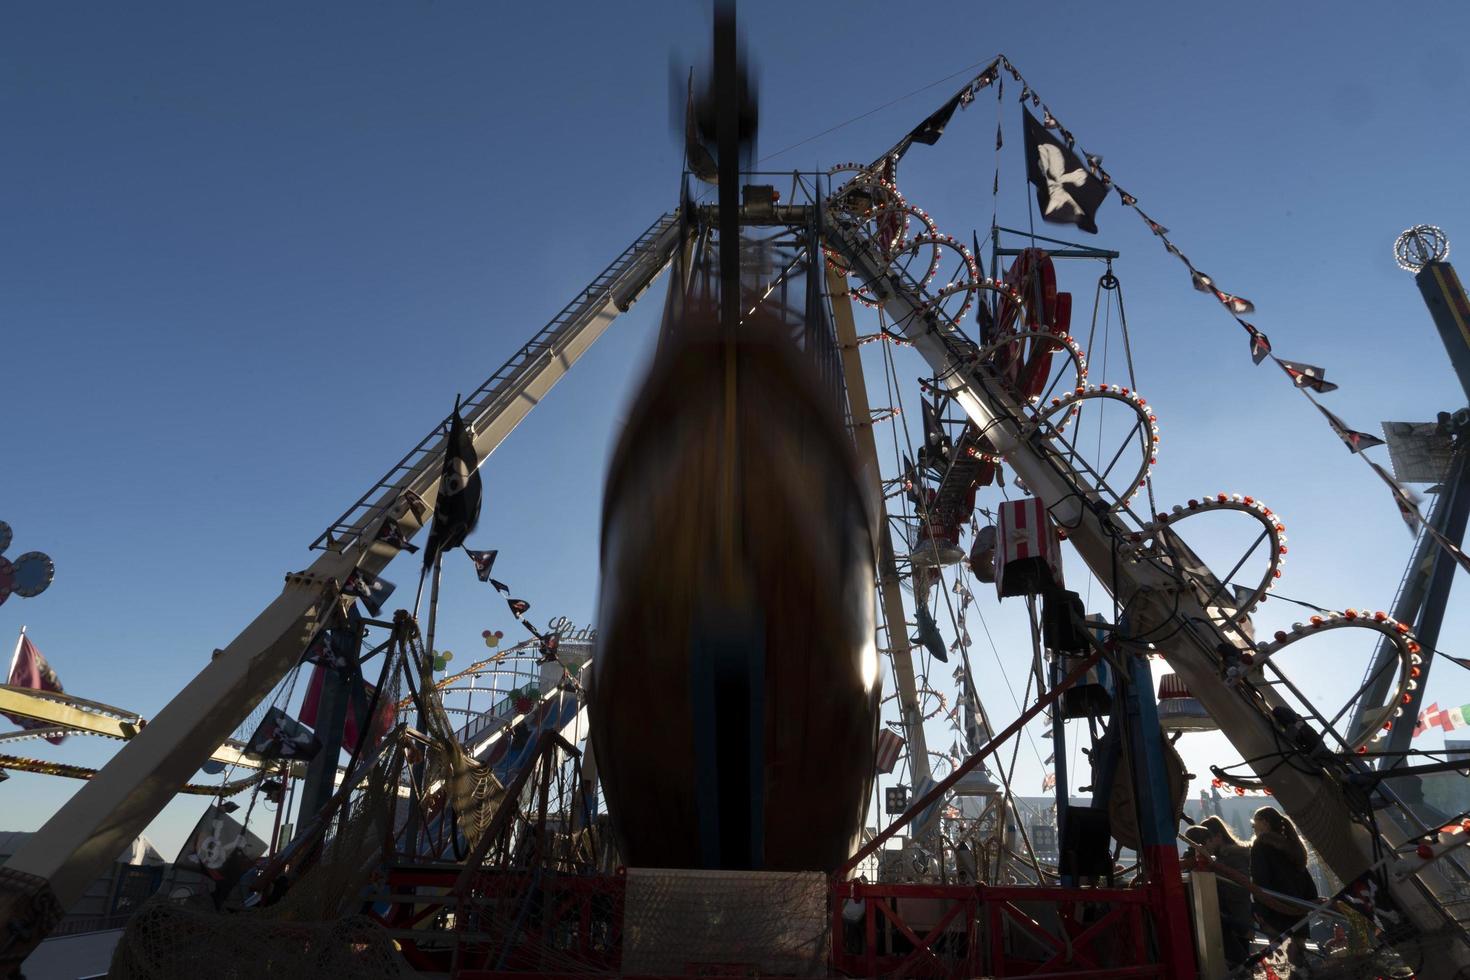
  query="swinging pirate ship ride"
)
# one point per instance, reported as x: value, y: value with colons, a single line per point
x: 745, y: 529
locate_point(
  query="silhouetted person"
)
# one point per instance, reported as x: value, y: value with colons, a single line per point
x: 1279, y: 864
x: 1213, y: 838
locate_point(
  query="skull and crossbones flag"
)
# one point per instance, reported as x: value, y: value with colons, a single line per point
x: 391, y: 534
x: 279, y: 736
x: 457, y: 504
x: 215, y: 839
x: 1065, y: 192
x: 373, y: 591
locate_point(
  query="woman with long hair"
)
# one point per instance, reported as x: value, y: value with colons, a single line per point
x: 1233, y: 891
x: 1279, y: 864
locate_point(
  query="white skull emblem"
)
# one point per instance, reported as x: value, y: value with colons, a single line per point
x: 457, y: 475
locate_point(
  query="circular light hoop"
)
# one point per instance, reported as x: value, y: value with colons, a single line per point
x: 911, y: 214
x: 862, y: 174
x: 1275, y: 531
x: 975, y: 286
x: 937, y: 243
x: 884, y: 192
x: 33, y: 573
x: 943, y: 757
x: 938, y: 696
x: 969, y: 274
x: 1063, y: 342
x: 863, y: 294
x: 1067, y: 406
x: 1381, y: 722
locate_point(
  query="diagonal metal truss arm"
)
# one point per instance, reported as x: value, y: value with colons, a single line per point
x: 79, y: 842
x: 1309, y: 788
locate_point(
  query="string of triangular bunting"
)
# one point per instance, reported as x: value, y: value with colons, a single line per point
x: 1065, y: 192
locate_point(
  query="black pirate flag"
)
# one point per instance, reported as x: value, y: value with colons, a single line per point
x: 373, y: 591
x: 221, y: 848
x: 929, y: 131
x: 550, y: 644
x: 391, y: 534
x: 912, y: 482
x: 1065, y: 192
x: 938, y: 448
x: 279, y: 736
x: 484, y: 562
x: 457, y: 504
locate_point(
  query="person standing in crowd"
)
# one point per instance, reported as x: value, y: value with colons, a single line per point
x: 1279, y: 864
x: 1211, y: 837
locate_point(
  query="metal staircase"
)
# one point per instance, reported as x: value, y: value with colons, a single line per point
x: 619, y: 284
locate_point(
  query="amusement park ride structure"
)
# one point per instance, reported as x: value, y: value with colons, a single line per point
x: 1170, y: 605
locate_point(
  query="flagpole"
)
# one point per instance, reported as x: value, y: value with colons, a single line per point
x: 426, y: 678
x: 15, y: 657
x: 426, y: 671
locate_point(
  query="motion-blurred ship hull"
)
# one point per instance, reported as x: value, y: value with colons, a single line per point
x: 734, y: 699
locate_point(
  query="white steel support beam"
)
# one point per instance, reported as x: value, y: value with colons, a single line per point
x: 81, y: 840
x: 867, y: 451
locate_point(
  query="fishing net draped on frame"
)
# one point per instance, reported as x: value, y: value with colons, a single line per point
x: 308, y: 934
x: 313, y: 930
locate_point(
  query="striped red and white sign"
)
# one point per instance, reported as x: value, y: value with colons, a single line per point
x: 889, y: 747
x: 1024, y: 530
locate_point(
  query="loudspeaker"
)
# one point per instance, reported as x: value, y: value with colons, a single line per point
x: 1087, y: 844
x: 1062, y: 614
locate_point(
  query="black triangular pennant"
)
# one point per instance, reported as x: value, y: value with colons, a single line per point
x: 484, y: 562
x: 929, y: 131
x: 1260, y: 343
x: 1403, y: 498
x: 1307, y: 376
x: 1355, y: 441
x: 391, y: 534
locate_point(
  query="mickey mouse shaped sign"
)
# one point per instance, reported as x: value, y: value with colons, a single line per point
x: 28, y: 575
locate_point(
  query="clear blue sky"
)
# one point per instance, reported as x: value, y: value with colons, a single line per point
x: 248, y: 256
